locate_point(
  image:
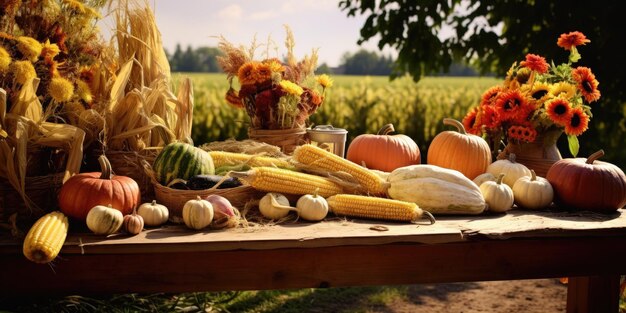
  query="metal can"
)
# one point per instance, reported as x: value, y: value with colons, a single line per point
x: 329, y: 138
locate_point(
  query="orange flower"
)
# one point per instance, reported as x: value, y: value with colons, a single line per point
x: 578, y: 123
x: 509, y: 103
x: 469, y: 121
x: 535, y: 63
x: 489, y: 117
x: 522, y: 133
x: 586, y: 83
x: 264, y: 73
x: 490, y: 95
x: 233, y: 98
x: 248, y: 73
x: 559, y: 110
x: 572, y: 39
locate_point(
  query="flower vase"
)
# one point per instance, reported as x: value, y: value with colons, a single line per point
x: 538, y: 155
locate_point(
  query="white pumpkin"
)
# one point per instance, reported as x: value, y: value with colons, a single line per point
x: 480, y: 179
x: 499, y: 196
x: 312, y: 207
x: 274, y: 206
x: 197, y: 213
x: 511, y: 169
x: 153, y: 214
x: 104, y: 220
x: 533, y: 192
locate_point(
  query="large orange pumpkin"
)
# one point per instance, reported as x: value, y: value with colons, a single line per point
x: 588, y: 184
x: 83, y: 191
x: 458, y: 150
x: 383, y: 151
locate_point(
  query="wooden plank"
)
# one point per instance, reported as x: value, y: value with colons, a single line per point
x: 593, y: 294
x: 388, y: 264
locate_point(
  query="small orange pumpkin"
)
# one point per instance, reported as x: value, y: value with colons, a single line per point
x: 383, y: 151
x: 458, y: 150
x: 84, y: 191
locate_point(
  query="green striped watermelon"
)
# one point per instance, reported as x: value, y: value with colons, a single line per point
x: 182, y: 160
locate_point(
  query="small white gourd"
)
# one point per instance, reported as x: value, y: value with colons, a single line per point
x: 312, y: 207
x: 197, y: 213
x: 511, y: 169
x: 499, y: 196
x: 104, y: 220
x: 533, y: 192
x: 274, y: 206
x: 153, y: 214
x: 480, y: 179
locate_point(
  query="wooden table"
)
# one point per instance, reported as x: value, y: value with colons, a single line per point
x: 588, y: 248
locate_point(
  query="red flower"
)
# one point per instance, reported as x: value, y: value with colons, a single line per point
x: 572, y: 39
x: 536, y: 63
x: 578, y: 123
x: 490, y: 95
x: 522, y: 133
x: 469, y: 122
x: 586, y: 83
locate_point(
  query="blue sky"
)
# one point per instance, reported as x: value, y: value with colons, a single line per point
x: 315, y: 24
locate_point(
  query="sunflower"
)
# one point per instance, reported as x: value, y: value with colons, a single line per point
x: 509, y: 103
x: 489, y: 96
x: 539, y: 92
x: 60, y: 89
x: 469, y: 121
x: 586, y: 83
x: 535, y: 63
x: 23, y: 71
x: 29, y: 47
x: 247, y: 73
x: 523, y: 133
x: 578, y: 123
x: 559, y: 111
x: 563, y: 89
x: 291, y: 88
x: 489, y: 117
x: 572, y: 39
x: 5, y: 60
x: 325, y: 81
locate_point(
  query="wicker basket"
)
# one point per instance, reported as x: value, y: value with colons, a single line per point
x: 286, y: 139
x: 130, y: 163
x: 174, y: 199
x: 41, y: 191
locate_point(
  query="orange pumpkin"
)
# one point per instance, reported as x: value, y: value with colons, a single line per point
x: 383, y: 151
x: 83, y: 191
x: 588, y: 184
x: 458, y: 150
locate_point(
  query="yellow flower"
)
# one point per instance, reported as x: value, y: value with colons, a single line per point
x: 29, y: 47
x: 5, y: 60
x: 291, y: 88
x: 23, y: 71
x: 275, y: 65
x: 49, y: 50
x: 539, y: 92
x: 60, y: 89
x: 564, y: 90
x: 83, y: 91
x: 325, y: 81
x: 75, y: 6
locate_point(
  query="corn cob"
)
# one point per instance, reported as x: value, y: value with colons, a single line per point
x: 223, y: 158
x: 376, y: 208
x: 273, y: 179
x: 45, y: 239
x: 318, y: 158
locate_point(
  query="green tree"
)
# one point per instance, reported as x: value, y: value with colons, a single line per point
x: 365, y: 62
x: 494, y: 34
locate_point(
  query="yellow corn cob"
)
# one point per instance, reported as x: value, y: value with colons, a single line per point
x: 222, y: 158
x: 285, y: 181
x: 376, y: 208
x: 45, y: 239
x: 321, y: 159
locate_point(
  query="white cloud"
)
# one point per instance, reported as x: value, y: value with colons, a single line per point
x: 231, y: 12
x: 263, y: 15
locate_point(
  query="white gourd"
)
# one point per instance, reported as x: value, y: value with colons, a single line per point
x: 511, y: 169
x: 533, y: 192
x: 480, y: 179
x: 499, y: 196
x: 104, y: 220
x: 312, y: 207
x: 197, y: 213
x: 436, y: 189
x: 153, y: 214
x: 274, y: 206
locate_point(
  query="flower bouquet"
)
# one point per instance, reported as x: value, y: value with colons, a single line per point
x: 278, y: 96
x: 538, y: 102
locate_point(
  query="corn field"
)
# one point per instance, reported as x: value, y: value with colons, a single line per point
x: 360, y: 104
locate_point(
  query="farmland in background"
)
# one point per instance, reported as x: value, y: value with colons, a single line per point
x: 360, y: 104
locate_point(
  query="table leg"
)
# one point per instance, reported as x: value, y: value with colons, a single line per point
x: 593, y: 294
